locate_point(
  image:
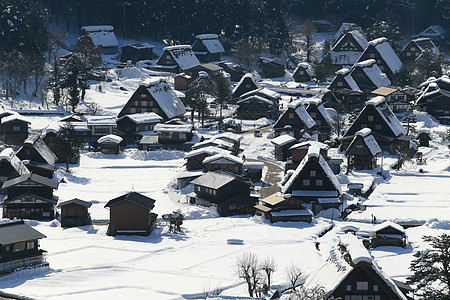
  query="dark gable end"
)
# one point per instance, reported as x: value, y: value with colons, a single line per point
x: 135, y: 198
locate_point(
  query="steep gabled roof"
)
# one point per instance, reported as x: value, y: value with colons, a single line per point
x: 183, y: 56
x: 173, y: 128
x: 301, y: 112
x: 18, y: 231
x: 75, y: 201
x: 313, y: 153
x: 101, y: 35
x: 166, y: 98
x: 433, y: 31
x: 14, y: 117
x: 211, y: 42
x: 304, y: 66
x: 368, y: 139
x: 387, y: 224
x: 283, y: 139
x: 223, y: 156
x: 255, y: 98
x: 318, y: 103
x: 110, y: 138
x: 340, y: 263
x: 382, y: 46
x: 345, y: 26
x: 373, y: 72
x: 134, y: 197
x: 251, y: 77
x: 41, y: 148
x: 8, y: 155
x: 262, y: 92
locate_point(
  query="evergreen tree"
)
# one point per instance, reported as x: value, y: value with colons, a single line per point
x: 175, y: 220
x: 392, y: 33
x: 223, y: 95
x: 308, y: 31
x: 323, y: 67
x: 67, y: 143
x: 431, y: 268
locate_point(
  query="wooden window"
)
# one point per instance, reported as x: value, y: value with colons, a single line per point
x: 132, y: 110
x: 340, y: 83
x: 16, y: 128
x: 143, y: 103
x: 232, y: 206
x: 371, y: 55
x: 348, y: 288
x: 319, y: 182
x: 248, y: 86
x: 301, y: 72
x: 377, y: 126
x: 306, y: 182
x: 370, y: 118
x: 19, y: 247
x: 291, y: 115
x: 312, y: 173
x: 143, y: 95
x: 30, y: 245
x: 182, y: 136
x: 408, y: 54
x: 413, y: 48
x: 318, y: 122
x: 375, y: 288
x: 362, y: 286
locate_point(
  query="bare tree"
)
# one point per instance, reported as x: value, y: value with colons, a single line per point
x: 293, y: 273
x: 95, y: 108
x: 268, y: 266
x: 248, y: 268
x: 308, y: 31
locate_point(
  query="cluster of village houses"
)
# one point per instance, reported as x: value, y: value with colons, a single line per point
x: 152, y: 118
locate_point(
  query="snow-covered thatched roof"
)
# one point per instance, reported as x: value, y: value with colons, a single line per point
x: 101, y: 35
x: 211, y: 42
x: 386, y: 113
x: 341, y: 261
x: 167, y: 99
x: 183, y: 56
x: 249, y: 76
x: 368, y: 139
x: 142, y: 118
x: 173, y: 128
x: 222, y: 158
x: 374, y: 73
x: 387, y: 53
x: 8, y: 155
x: 14, y: 117
x: 42, y: 149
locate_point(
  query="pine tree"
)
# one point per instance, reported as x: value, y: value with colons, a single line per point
x: 67, y: 143
x: 223, y: 93
x: 431, y: 268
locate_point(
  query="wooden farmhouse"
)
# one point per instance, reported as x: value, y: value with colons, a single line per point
x: 194, y: 158
x: 313, y: 183
x: 386, y: 128
x: 298, y: 151
x: 348, y: 49
x: 434, y: 32
x: 381, y: 51
x: 157, y: 97
x: 388, y: 234
x: 247, y: 83
x: 349, y: 272
x: 182, y: 81
x: 131, y: 214
x: 212, y: 70
x: 295, y: 120
x: 175, y: 136
x: 368, y: 76
x: 282, y: 143
x: 10, y: 165
x: 207, y: 47
x: 19, y: 247
x: 40, y: 158
x: 416, y: 47
x: 434, y: 98
x: 271, y: 68
x: 136, y: 125
x: 303, y: 72
x: 137, y: 52
x: 217, y: 143
x: 49, y: 136
x: 256, y: 107
x: 424, y: 138
x: 176, y: 59
x: 14, y: 129
x: 342, y: 30
x: 226, y: 162
x: 362, y: 151
x: 323, y: 120
x: 234, y: 139
x: 100, y: 126
x: 102, y: 37
x: 229, y: 193
x: 110, y: 144
x: 264, y: 93
x: 74, y: 213
x: 397, y: 99
x: 277, y: 208
x: 344, y: 89
x: 253, y: 170
x: 29, y: 196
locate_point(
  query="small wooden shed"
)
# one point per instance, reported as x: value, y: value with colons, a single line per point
x: 110, y: 144
x: 74, y: 213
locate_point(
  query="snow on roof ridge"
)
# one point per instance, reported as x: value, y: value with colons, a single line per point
x: 92, y: 28
x: 14, y: 117
x: 110, y: 138
x: 378, y: 41
x: 355, y: 248
x: 366, y: 63
x: 313, y: 151
x: 375, y: 101
x: 364, y: 132
x: 231, y: 157
x: 343, y: 71
x: 387, y: 224
x: 207, y: 36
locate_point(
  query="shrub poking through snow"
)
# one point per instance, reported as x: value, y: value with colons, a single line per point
x: 175, y: 220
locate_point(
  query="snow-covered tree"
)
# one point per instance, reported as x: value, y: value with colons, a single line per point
x: 67, y: 143
x: 392, y: 33
x: 175, y: 220
x: 431, y: 268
